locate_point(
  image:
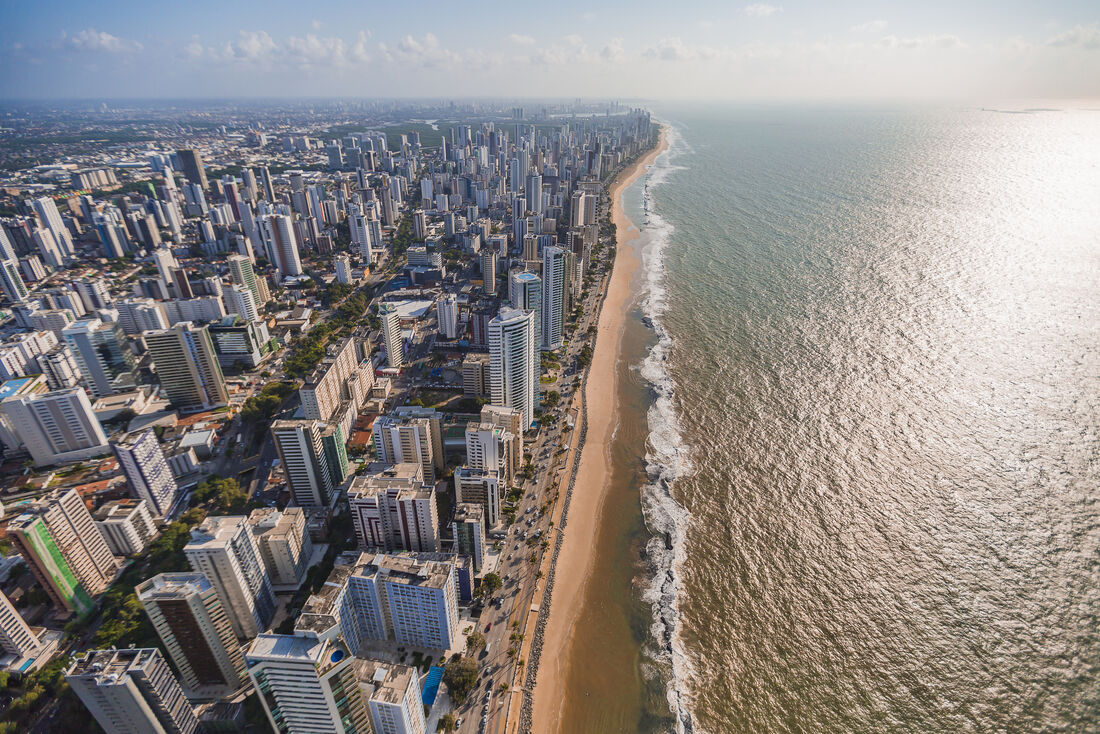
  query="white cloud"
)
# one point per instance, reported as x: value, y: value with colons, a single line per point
x: 250, y: 46
x: 761, y: 10
x: 426, y: 52
x: 359, y: 53
x: 520, y: 39
x: 613, y: 51
x: 1079, y: 36
x: 669, y: 49
x: 90, y: 39
x: 871, y: 26
x: 193, y: 49
x: 316, y: 24
x: 313, y: 50
x: 574, y: 40
x: 944, y: 40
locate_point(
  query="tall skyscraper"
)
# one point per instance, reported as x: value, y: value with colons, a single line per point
x: 447, y: 316
x: 283, y: 539
x: 489, y: 272
x: 56, y: 427
x: 391, y: 335
x: 51, y: 219
x: 64, y: 550
x: 413, y: 437
x: 242, y: 273
x: 100, y: 351
x: 191, y: 162
x: 489, y: 447
x: 553, y: 297
x: 147, y: 473
x: 16, y: 637
x: 393, y: 696
x: 525, y: 292
x: 127, y: 525
x: 468, y: 530
x: 224, y: 549
x: 187, y: 367
x: 282, y: 244
x: 239, y: 300
x: 191, y: 622
x: 307, y: 683
x: 302, y: 453
x: 394, y: 510
x: 132, y: 691
x: 11, y: 281
x: 360, y: 232
x: 513, y: 361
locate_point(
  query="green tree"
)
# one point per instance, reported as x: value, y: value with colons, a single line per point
x: 490, y: 584
x: 460, y: 676
x: 447, y: 723
x: 475, y: 641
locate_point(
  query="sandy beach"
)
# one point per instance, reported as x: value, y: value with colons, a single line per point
x: 601, y: 394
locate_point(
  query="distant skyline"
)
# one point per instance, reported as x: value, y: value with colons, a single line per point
x: 699, y: 50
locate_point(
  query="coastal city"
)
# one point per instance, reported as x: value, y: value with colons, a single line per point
x: 292, y: 403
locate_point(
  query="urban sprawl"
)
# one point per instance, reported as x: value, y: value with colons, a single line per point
x: 291, y: 401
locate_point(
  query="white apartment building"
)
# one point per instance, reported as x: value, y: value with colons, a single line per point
x: 126, y: 525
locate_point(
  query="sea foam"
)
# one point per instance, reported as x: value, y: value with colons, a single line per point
x: 667, y: 456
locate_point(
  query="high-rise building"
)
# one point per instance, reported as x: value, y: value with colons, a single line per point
x: 359, y: 223
x: 64, y: 550
x: 411, y: 599
x: 411, y: 435
x: 468, y: 530
x: 394, y: 510
x: 191, y: 622
x: 239, y: 300
x: 283, y: 539
x: 132, y: 691
x: 306, y: 682
x: 242, y: 273
x: 342, y: 267
x: 525, y: 293
x: 191, y: 164
x: 93, y: 292
x: 476, y: 376
x: 391, y: 335
x: 489, y: 271
x: 282, y: 244
x: 52, y: 222
x: 326, y: 386
x: 511, y: 421
x: 447, y: 316
x: 126, y: 525
x: 490, y: 447
x: 100, y: 352
x: 554, y: 294
x: 147, y: 472
x: 304, y: 460
x: 56, y: 427
x: 393, y: 696
x: 16, y: 637
x: 480, y: 487
x: 513, y: 361
x: 187, y: 366
x: 11, y: 281
x: 224, y: 549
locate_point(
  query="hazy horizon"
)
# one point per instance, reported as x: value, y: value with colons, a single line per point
x: 751, y: 51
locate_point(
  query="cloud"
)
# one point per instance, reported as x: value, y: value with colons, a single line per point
x: 871, y: 26
x: 359, y: 53
x: 1079, y: 36
x: 574, y: 40
x: 194, y: 49
x: 316, y: 24
x: 313, y: 50
x: 90, y: 39
x: 706, y: 24
x: 250, y: 46
x: 426, y: 52
x: 669, y: 49
x: 613, y: 51
x: 588, y: 16
x: 520, y: 39
x: 939, y: 41
x: 761, y: 10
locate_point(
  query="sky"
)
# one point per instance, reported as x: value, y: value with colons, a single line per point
x: 645, y: 49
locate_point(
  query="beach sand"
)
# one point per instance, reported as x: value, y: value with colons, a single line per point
x: 601, y: 395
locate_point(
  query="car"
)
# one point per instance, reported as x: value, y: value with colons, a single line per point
x: 489, y: 626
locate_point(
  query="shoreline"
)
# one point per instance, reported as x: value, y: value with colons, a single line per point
x: 576, y: 548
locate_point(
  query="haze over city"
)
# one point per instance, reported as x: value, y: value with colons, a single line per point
x: 703, y: 50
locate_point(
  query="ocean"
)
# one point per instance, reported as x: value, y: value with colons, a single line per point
x: 873, y: 402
